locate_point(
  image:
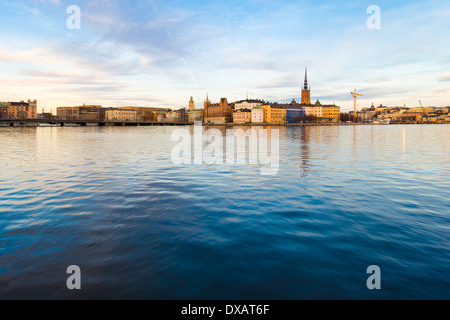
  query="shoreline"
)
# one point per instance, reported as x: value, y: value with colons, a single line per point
x: 73, y: 124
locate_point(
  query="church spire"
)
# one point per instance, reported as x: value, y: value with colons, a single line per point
x: 306, y: 91
x: 306, y: 79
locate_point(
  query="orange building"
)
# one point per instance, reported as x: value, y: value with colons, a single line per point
x: 218, y: 112
x: 84, y: 112
x: 22, y: 110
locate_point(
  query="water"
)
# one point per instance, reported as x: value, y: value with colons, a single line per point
x: 110, y: 201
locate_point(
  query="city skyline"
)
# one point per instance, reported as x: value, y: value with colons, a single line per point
x: 159, y: 53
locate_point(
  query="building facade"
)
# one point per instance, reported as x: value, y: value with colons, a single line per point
x: 257, y: 115
x: 247, y: 104
x: 274, y: 113
x: 242, y: 116
x: 84, y: 112
x: 67, y: 113
x: 22, y: 110
x: 331, y: 112
x: 218, y: 112
x: 91, y: 113
x: 295, y: 115
x: 120, y: 115
x: 315, y: 110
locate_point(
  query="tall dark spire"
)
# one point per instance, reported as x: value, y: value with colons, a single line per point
x: 306, y: 79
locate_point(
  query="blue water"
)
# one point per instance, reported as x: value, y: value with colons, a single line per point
x: 111, y: 201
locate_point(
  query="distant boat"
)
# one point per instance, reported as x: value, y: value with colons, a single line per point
x: 49, y: 125
x: 3, y: 125
x: 384, y: 121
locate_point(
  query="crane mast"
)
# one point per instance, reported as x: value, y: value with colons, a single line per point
x: 355, y: 95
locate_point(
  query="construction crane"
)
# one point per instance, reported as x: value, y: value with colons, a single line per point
x: 355, y: 96
x: 424, y: 111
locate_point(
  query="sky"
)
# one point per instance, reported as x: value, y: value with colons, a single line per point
x: 159, y: 53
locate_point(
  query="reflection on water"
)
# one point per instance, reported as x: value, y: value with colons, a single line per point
x: 111, y: 201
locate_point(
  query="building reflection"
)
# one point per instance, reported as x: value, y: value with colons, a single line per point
x: 305, y: 151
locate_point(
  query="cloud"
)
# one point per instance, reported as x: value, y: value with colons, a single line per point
x: 444, y: 78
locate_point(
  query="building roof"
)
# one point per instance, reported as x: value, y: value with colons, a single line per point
x: 118, y: 109
x: 249, y: 101
x: 22, y: 103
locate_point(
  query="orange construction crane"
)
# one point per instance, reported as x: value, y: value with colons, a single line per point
x: 355, y: 96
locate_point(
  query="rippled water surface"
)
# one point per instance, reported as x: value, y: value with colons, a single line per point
x: 111, y: 201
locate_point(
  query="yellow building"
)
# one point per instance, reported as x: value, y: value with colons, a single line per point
x: 331, y: 112
x: 273, y: 114
x: 148, y: 114
x: 422, y: 109
x: 120, y: 115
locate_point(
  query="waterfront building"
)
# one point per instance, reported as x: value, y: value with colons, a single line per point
x: 149, y: 114
x: 120, y: 115
x: 91, y: 113
x: 257, y: 114
x: 295, y: 115
x: 84, y: 112
x: 218, y: 112
x: 242, y: 116
x: 367, y: 114
x: 22, y: 110
x: 274, y: 113
x: 67, y: 113
x: 317, y: 110
x: 331, y: 112
x: 309, y: 111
